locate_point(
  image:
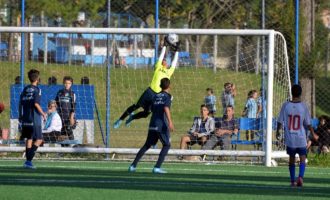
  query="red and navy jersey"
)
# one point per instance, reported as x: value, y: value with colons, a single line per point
x: 158, y: 121
x: 28, y: 113
x: 66, y: 101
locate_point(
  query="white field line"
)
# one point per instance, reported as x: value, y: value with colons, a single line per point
x: 169, y: 169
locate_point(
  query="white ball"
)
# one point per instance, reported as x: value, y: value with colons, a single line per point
x: 172, y: 38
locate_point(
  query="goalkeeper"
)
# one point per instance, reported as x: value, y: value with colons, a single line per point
x: 161, y: 71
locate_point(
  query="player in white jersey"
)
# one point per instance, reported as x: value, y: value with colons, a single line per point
x: 294, y: 118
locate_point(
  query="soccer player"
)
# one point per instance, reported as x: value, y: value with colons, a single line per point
x: 66, y: 102
x: 145, y: 101
x: 293, y: 117
x: 159, y: 127
x: 30, y: 113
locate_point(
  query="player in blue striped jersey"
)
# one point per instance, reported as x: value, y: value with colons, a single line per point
x: 30, y: 117
x: 293, y: 118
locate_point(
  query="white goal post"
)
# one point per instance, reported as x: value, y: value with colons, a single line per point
x: 269, y: 35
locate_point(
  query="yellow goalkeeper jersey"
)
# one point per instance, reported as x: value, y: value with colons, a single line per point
x: 160, y: 73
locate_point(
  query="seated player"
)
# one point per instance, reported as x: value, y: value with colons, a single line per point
x: 161, y: 71
x: 224, y: 128
x: 323, y: 131
x: 53, y: 125
x: 201, y: 129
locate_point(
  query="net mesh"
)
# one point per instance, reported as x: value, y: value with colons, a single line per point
x: 205, y: 61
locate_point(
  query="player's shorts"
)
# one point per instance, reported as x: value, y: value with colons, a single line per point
x: 301, y: 151
x: 31, y: 132
x: 146, y: 98
x: 154, y: 136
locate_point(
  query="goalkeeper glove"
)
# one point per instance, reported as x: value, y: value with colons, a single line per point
x: 175, y: 47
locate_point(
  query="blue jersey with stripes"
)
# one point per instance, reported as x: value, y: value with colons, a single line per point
x: 158, y: 121
x: 28, y: 113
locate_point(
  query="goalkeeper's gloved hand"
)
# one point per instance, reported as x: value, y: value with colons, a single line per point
x: 175, y: 47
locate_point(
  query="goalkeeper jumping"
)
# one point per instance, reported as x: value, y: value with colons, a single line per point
x: 161, y: 71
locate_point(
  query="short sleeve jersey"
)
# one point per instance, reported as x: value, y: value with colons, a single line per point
x: 28, y: 113
x: 65, y: 100
x: 210, y: 102
x: 158, y: 121
x: 294, y: 116
x: 227, y: 99
x: 251, y: 108
x: 160, y: 73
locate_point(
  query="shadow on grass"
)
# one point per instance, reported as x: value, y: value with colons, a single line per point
x: 274, y: 185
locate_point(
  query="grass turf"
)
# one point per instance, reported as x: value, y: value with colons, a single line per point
x: 110, y: 180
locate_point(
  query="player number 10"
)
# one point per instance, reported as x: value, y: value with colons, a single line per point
x: 294, y: 122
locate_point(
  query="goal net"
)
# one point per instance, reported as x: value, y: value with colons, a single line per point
x: 111, y: 68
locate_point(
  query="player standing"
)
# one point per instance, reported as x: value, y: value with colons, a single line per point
x: 30, y: 113
x: 161, y: 71
x: 294, y: 116
x: 159, y: 127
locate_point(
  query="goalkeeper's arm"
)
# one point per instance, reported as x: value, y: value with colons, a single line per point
x: 175, y: 59
x: 162, y: 54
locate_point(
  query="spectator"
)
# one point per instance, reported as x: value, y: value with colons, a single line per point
x: 210, y: 101
x: 53, y: 125
x: 66, y: 103
x: 251, y: 111
x: 224, y: 129
x: 52, y: 80
x: 84, y: 123
x: 201, y: 129
x: 323, y: 131
x: 227, y: 96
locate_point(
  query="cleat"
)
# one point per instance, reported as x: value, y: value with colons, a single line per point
x: 28, y: 165
x: 131, y: 168
x: 300, y: 182
x: 293, y: 184
x: 129, y: 120
x: 117, y: 124
x: 156, y: 170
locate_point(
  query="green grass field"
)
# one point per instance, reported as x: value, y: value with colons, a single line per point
x: 110, y: 180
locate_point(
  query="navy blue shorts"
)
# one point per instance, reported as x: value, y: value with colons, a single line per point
x: 146, y: 98
x: 154, y: 136
x: 301, y: 151
x: 31, y: 132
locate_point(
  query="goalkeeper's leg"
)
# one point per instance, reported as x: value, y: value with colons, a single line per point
x: 129, y: 110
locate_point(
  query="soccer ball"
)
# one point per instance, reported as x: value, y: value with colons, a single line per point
x: 172, y: 39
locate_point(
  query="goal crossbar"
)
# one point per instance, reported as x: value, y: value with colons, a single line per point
x: 257, y: 32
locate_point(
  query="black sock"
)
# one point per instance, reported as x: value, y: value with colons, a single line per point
x: 27, y: 154
x: 32, y: 152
